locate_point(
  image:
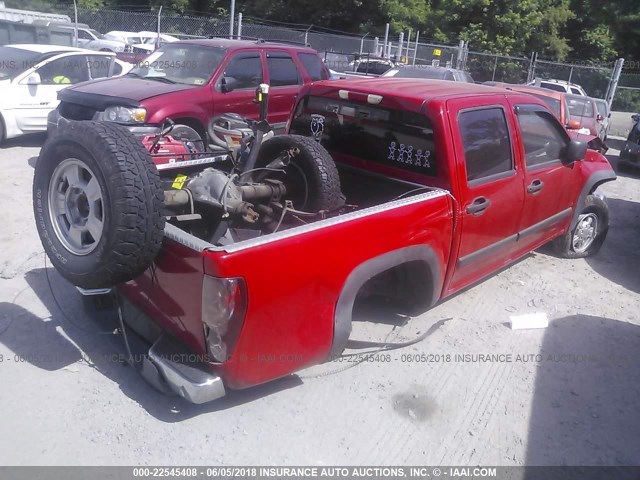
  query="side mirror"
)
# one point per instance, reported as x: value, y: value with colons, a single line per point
x: 575, y: 151
x: 599, y: 117
x: 34, y: 79
x: 573, y: 124
x: 635, y: 117
x: 228, y: 84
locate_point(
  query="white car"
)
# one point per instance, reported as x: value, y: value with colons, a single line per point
x: 88, y: 37
x: 144, y: 41
x: 559, y: 86
x: 32, y: 75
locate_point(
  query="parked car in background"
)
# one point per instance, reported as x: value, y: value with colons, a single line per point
x: 88, y: 37
x: 603, y: 117
x: 428, y: 71
x: 31, y: 77
x: 143, y: 40
x: 337, y: 62
x: 558, y: 102
x: 583, y: 114
x: 630, y: 154
x: 559, y: 86
x: 554, y: 99
x: 192, y: 81
x: 368, y: 65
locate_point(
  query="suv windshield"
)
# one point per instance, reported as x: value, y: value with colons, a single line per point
x: 180, y: 63
x: 15, y: 61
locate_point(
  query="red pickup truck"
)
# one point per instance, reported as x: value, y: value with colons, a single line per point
x: 444, y: 183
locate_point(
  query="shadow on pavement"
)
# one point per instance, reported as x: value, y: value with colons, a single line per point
x: 29, y: 140
x: 585, y: 400
x: 40, y: 343
x: 619, y: 258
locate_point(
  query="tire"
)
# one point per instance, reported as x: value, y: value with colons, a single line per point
x: 3, y: 132
x: 311, y: 178
x: 98, y: 204
x: 585, y: 239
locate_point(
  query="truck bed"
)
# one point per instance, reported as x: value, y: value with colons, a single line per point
x: 301, y: 282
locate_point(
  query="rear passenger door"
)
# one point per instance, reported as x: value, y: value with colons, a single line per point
x: 550, y: 184
x: 490, y: 186
x: 284, y: 81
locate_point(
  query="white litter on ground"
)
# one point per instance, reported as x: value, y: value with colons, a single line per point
x: 529, y: 320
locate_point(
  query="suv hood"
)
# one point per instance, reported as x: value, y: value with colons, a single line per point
x: 118, y: 89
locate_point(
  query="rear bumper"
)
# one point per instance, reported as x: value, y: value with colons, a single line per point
x: 182, y: 372
x: 167, y: 365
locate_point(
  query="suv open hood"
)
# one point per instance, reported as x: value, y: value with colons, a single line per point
x: 116, y: 90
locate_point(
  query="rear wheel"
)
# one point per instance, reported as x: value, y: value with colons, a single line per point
x: 311, y: 178
x: 98, y: 204
x: 589, y: 233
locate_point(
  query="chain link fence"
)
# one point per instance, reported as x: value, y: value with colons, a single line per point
x: 482, y: 66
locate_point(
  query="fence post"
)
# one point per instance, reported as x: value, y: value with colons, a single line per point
x: 570, y: 75
x: 386, y: 39
x: 415, y: 51
x: 75, y: 24
x: 400, y: 47
x: 306, y: 35
x: 362, y: 42
x: 158, y: 28
x: 239, y: 34
x: 376, y: 45
x: 613, y: 83
x: 531, y: 74
x: 232, y: 17
x: 495, y: 66
x: 408, y: 44
x: 460, y: 60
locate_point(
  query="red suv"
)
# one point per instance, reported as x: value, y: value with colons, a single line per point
x: 191, y: 82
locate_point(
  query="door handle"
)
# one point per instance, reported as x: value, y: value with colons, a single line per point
x: 478, y: 205
x: 535, y: 186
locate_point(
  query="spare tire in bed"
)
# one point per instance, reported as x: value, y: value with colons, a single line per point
x: 98, y: 204
x: 311, y: 179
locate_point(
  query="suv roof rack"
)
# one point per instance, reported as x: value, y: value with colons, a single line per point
x: 262, y: 40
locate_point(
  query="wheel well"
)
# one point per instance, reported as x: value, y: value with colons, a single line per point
x: 409, y: 286
x: 195, y: 124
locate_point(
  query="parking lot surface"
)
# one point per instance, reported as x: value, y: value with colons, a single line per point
x: 473, y: 392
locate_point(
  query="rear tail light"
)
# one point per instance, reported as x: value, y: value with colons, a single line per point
x: 224, y: 304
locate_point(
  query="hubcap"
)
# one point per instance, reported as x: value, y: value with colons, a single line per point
x: 585, y: 232
x: 76, y: 206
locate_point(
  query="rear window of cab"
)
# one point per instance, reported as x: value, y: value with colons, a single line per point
x: 396, y: 138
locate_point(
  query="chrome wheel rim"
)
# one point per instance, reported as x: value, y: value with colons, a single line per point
x: 76, y: 206
x: 585, y: 232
